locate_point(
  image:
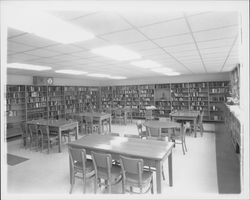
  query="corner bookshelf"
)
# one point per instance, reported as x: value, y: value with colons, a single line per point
x: 162, y: 100
x: 218, y: 92
x: 56, y: 104
x: 36, y: 99
x: 180, y: 96
x: 15, y: 109
x: 146, y: 98
x: 199, y: 98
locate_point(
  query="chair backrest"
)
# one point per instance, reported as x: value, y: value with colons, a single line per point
x: 77, y: 156
x: 102, y: 164
x: 139, y: 126
x: 153, y: 132
x: 32, y: 129
x: 44, y: 131
x: 132, y: 136
x: 148, y: 114
x: 132, y: 166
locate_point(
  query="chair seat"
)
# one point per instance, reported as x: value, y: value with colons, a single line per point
x: 132, y: 179
x: 88, y: 165
x: 115, y: 173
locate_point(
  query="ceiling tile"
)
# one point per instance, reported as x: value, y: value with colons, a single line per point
x: 147, y: 18
x: 213, y: 20
x: 69, y: 15
x: 144, y: 45
x: 17, y: 47
x: 42, y: 53
x: 215, y: 43
x: 149, y: 52
x: 20, y: 57
x: 175, y: 40
x: 215, y: 50
x: 102, y: 23
x: 123, y: 37
x: 63, y: 48
x: 91, y: 44
x: 14, y: 32
x: 171, y: 28
x: 181, y: 48
x: 83, y: 54
x: 228, y: 32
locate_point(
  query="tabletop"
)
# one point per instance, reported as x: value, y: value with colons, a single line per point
x: 161, y: 124
x: 186, y: 113
x: 91, y: 114
x: 51, y: 122
x: 125, y: 146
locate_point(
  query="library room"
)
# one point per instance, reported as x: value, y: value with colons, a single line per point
x: 105, y: 100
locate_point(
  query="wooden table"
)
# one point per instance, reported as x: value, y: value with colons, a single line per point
x: 132, y: 147
x: 162, y: 124
x: 60, y: 125
x: 186, y: 115
x: 97, y: 116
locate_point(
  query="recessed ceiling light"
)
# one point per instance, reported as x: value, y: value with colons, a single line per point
x: 73, y: 72
x: 116, y: 52
x: 46, y: 26
x: 117, y: 77
x: 162, y: 70
x: 147, y: 64
x: 99, y: 75
x: 27, y: 66
x: 172, y: 74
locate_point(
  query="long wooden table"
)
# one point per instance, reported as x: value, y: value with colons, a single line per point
x: 97, y: 116
x: 154, y: 153
x: 60, y: 125
x: 186, y: 115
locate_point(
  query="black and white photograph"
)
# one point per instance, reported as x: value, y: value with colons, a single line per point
x: 124, y: 99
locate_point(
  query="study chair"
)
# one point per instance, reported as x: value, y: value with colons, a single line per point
x: 80, y: 165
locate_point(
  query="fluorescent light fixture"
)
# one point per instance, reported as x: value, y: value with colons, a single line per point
x: 99, y: 75
x: 147, y: 64
x: 68, y: 71
x: 162, y: 70
x: 117, y: 77
x: 172, y: 74
x: 27, y: 67
x: 46, y: 26
x: 116, y: 52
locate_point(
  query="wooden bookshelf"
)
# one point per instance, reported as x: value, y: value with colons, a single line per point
x: 132, y: 97
x: 146, y: 98
x: 106, y: 98
x: 15, y: 109
x: 94, y: 100
x: 119, y: 99
x: 199, y: 96
x: 56, y: 103
x: 218, y: 93
x: 162, y: 100
x: 36, y: 99
x: 81, y: 98
x: 70, y: 95
x: 180, y: 96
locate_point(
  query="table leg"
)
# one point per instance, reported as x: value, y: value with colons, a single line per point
x: 158, y: 176
x: 110, y: 119
x: 170, y: 169
x: 195, y: 132
x: 100, y: 126
x: 60, y: 140
x: 77, y: 131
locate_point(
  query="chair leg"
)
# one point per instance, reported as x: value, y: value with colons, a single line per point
x: 123, y: 186
x: 183, y: 148
x: 163, y: 175
x: 152, y: 185
x: 95, y: 185
x: 109, y: 186
x: 84, y: 184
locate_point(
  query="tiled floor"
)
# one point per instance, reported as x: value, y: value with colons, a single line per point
x: 193, y: 173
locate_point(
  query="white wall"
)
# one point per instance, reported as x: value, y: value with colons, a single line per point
x: 172, y: 79
x: 28, y: 80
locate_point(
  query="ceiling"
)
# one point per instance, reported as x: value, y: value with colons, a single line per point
x: 189, y: 43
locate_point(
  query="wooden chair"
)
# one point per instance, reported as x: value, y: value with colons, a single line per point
x: 200, y: 123
x: 120, y: 116
x: 132, y: 136
x: 25, y: 135
x: 79, y: 164
x: 90, y: 125
x: 134, y: 175
x: 34, y: 136
x: 149, y: 115
x: 47, y: 138
x: 104, y: 170
x: 179, y: 137
x: 69, y: 133
x: 142, y: 134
